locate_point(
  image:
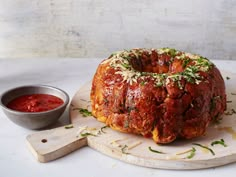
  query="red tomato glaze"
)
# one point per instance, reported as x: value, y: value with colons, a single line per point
x: 35, y: 103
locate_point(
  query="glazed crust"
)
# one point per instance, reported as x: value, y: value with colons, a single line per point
x: 165, y: 105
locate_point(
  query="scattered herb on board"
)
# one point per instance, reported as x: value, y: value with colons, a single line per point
x: 86, y: 134
x: 69, y: 126
x: 124, y: 149
x: 205, y: 147
x: 221, y: 142
x: 229, y: 101
x: 84, y: 112
x: 231, y: 112
x: 103, y: 128
x: 191, y: 151
x: 156, y: 151
x: 227, y: 77
x: 233, y: 93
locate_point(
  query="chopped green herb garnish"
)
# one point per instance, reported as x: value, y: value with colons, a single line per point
x: 209, y: 149
x: 231, y: 112
x: 127, y: 57
x: 124, y: 149
x: 172, y: 52
x: 84, y: 112
x: 221, y: 142
x: 86, y: 134
x: 227, y: 77
x: 142, y: 83
x: 192, y: 153
x: 125, y: 65
x: 186, y: 62
x: 156, y: 151
x: 159, y: 84
x: 69, y: 126
x: 103, y: 128
x: 112, y: 55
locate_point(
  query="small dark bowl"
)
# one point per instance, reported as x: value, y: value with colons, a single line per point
x: 33, y: 120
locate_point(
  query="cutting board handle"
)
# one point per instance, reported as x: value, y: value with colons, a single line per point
x: 51, y: 144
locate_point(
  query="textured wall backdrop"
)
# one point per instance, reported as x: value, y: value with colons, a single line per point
x: 96, y: 28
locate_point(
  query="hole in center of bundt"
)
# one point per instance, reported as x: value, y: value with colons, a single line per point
x: 151, y: 63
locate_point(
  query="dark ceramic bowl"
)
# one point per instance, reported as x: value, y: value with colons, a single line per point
x: 33, y: 120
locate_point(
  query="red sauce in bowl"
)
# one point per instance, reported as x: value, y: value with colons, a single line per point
x: 35, y: 103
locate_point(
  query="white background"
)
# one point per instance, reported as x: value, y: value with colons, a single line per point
x: 96, y: 28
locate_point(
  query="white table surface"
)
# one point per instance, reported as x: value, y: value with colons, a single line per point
x: 69, y: 75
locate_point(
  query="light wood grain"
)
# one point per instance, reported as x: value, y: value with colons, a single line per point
x: 52, y: 144
x: 134, y: 149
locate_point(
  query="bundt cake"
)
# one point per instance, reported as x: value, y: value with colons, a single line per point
x: 160, y: 93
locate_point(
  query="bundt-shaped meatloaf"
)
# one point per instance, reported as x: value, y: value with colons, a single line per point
x: 158, y: 93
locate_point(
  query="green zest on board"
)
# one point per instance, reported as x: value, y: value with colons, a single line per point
x: 227, y: 77
x: 192, y: 153
x: 124, y: 149
x: 69, y: 126
x: 155, y: 151
x: 86, y: 134
x: 84, y: 112
x: 231, y: 112
x: 205, y: 147
x: 221, y: 142
x: 103, y: 128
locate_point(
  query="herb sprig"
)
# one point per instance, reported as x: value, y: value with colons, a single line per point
x: 231, y: 112
x: 102, y: 129
x: 205, y: 147
x: 192, y: 153
x: 155, y: 151
x: 84, y: 112
x: 221, y: 142
x: 69, y: 126
x: 124, y: 149
x: 86, y: 134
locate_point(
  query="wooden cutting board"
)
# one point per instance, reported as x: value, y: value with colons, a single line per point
x: 87, y: 131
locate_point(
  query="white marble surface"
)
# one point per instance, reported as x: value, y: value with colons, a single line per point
x: 96, y: 28
x: 69, y: 75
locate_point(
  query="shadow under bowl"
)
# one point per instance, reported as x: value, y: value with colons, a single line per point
x: 33, y: 120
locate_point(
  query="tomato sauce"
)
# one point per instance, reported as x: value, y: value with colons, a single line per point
x: 35, y: 103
